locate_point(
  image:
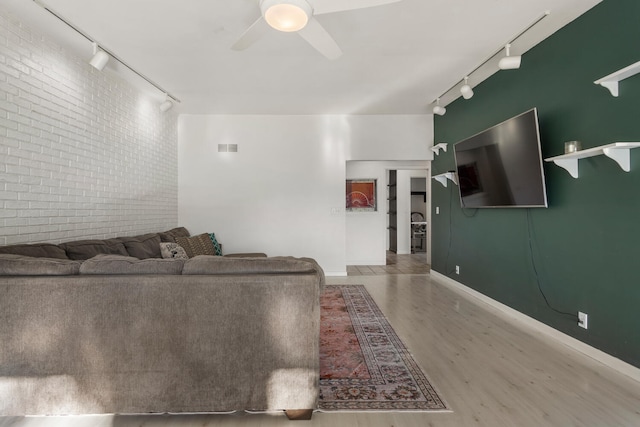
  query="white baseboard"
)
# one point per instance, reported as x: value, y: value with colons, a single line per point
x: 599, y: 355
x: 368, y: 262
x: 335, y: 273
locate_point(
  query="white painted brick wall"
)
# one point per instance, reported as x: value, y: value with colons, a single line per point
x: 83, y: 154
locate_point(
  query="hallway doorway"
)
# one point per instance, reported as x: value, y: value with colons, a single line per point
x: 407, y: 211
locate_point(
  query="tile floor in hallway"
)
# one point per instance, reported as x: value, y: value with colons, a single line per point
x: 396, y: 264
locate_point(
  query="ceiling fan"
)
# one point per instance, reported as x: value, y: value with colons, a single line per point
x: 299, y: 16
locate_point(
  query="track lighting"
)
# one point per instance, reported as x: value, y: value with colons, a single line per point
x: 465, y: 90
x: 100, y: 58
x: 510, y: 62
x: 286, y: 15
x: 438, y: 109
x: 506, y: 63
x: 101, y: 55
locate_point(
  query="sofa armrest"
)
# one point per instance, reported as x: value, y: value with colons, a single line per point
x: 215, y: 265
x: 247, y: 255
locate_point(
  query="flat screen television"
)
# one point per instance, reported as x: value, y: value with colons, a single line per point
x: 501, y: 167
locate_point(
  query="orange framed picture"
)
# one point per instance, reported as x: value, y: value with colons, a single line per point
x: 361, y: 195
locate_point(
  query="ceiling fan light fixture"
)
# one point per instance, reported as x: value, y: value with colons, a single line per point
x: 286, y: 15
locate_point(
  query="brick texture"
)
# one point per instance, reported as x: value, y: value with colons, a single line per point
x: 83, y: 154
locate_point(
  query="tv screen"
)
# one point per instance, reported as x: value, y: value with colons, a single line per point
x: 501, y: 167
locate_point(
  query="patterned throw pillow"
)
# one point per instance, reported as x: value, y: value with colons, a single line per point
x: 216, y: 246
x: 197, y: 245
x: 172, y: 250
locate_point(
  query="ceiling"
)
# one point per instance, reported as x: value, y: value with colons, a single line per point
x: 397, y: 58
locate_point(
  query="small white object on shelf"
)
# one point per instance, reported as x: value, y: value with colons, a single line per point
x: 443, y: 177
x: 611, y: 81
x: 436, y: 148
x: 618, y: 151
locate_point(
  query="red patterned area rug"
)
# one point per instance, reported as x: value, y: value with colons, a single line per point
x: 363, y: 363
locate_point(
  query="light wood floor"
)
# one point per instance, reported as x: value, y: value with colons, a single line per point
x: 490, y: 371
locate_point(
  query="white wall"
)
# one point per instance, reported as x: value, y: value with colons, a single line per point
x: 82, y: 153
x: 366, y: 242
x: 283, y: 193
x: 390, y: 137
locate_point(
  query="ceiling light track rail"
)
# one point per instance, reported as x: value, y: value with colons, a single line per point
x: 111, y: 54
x: 493, y: 55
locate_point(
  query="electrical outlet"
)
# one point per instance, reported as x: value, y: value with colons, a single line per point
x: 583, y: 320
x: 457, y: 269
x: 437, y: 210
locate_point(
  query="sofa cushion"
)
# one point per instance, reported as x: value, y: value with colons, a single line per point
x: 172, y: 250
x: 20, y: 265
x: 142, y: 247
x: 118, y: 264
x: 197, y: 245
x: 85, y: 249
x: 206, y: 264
x: 170, y: 235
x: 44, y: 250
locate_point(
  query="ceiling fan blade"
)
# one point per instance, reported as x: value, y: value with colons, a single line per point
x: 252, y: 35
x: 319, y: 38
x: 330, y: 6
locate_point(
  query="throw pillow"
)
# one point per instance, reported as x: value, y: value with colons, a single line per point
x: 172, y: 250
x: 197, y: 245
x: 216, y: 245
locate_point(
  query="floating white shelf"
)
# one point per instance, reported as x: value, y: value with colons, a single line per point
x: 443, y: 177
x: 611, y: 81
x: 436, y: 148
x: 618, y: 151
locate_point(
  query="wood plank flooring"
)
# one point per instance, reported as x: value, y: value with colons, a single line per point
x: 490, y: 371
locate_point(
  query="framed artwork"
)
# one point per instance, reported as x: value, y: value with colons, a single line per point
x: 361, y: 195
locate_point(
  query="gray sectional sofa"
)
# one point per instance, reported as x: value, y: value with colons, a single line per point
x: 107, y: 326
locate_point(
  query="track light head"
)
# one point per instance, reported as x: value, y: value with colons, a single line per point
x: 441, y: 111
x: 166, y: 105
x: 466, y: 90
x: 510, y: 62
x: 99, y: 59
x: 438, y: 109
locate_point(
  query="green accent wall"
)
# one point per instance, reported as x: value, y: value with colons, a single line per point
x: 586, y: 245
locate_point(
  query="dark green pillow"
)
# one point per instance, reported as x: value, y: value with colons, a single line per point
x: 216, y: 245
